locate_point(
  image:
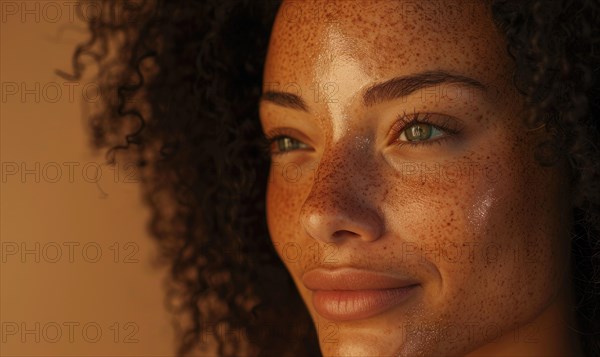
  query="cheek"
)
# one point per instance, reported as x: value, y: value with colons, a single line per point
x: 496, y: 234
x: 280, y: 206
x: 286, y: 191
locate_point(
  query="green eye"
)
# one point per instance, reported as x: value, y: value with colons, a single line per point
x: 419, y: 132
x: 285, y: 143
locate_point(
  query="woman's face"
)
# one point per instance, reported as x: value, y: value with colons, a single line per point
x: 404, y: 196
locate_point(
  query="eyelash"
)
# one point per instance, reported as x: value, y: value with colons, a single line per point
x: 449, y: 127
x: 268, y: 141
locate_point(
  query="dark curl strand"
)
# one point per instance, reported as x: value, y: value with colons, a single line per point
x: 181, y: 81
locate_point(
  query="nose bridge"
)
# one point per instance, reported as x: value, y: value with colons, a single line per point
x: 342, y: 201
x: 334, y: 177
x: 349, y: 158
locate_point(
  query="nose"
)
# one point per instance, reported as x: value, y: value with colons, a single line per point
x: 342, y: 203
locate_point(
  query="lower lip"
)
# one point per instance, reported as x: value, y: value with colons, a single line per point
x: 344, y: 305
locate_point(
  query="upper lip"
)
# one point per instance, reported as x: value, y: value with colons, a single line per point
x: 353, y: 279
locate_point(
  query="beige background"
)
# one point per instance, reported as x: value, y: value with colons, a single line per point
x: 75, y: 257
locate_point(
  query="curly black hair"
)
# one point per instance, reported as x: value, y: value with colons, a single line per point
x: 181, y: 81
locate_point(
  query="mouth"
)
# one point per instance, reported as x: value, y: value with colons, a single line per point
x: 352, y: 294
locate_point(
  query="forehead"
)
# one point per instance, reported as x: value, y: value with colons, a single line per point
x: 358, y: 40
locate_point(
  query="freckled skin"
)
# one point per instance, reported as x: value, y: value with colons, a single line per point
x: 474, y: 218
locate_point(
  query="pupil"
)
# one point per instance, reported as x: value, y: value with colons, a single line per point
x: 285, y: 144
x: 419, y: 132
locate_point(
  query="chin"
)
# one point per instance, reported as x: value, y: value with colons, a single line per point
x: 365, y: 338
x: 360, y: 346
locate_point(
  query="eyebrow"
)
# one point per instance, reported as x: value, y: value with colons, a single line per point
x: 394, y: 88
x: 402, y: 86
x: 285, y: 99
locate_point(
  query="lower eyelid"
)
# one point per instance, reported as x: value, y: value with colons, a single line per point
x: 422, y: 144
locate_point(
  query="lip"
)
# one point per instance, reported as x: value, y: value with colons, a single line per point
x: 352, y: 294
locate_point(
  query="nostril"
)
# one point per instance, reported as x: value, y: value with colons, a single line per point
x: 341, y: 233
